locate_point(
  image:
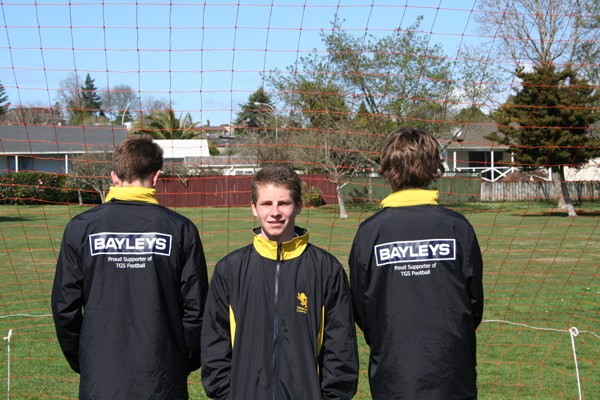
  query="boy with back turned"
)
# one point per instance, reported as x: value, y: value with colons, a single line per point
x: 416, y: 281
x: 130, y: 287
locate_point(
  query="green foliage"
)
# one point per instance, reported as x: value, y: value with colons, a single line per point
x: 346, y: 100
x: 82, y: 103
x: 249, y: 117
x: 470, y: 115
x: 164, y: 125
x: 547, y: 121
x: 388, y: 75
x: 360, y: 195
x: 90, y: 99
x: 37, y: 188
x: 213, y: 150
x: 4, y: 104
x: 312, y: 197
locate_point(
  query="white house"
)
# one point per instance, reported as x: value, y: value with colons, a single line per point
x: 468, y: 150
x: 587, y: 172
x: 179, y: 151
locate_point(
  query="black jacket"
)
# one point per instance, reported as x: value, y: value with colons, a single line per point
x: 128, y: 299
x: 416, y: 279
x: 278, y: 325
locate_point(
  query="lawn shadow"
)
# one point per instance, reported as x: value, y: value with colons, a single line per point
x: 560, y: 213
x: 4, y: 218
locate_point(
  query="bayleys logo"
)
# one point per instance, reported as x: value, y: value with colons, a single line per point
x: 417, y: 250
x: 130, y: 243
x: 303, y: 307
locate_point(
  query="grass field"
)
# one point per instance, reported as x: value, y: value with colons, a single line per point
x: 542, y: 277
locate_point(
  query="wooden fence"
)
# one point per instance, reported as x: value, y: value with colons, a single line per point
x: 224, y: 190
x: 537, y: 191
x: 234, y: 191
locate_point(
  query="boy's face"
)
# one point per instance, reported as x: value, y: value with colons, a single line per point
x: 276, y: 212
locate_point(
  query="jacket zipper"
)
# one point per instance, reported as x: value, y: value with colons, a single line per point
x: 276, y: 320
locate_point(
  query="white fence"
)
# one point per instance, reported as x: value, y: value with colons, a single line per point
x: 537, y: 191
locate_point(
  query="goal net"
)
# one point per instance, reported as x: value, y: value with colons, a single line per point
x: 510, y: 89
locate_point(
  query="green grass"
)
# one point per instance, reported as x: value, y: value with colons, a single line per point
x: 541, y: 272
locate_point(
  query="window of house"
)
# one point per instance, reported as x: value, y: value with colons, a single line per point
x: 483, y: 159
x: 26, y: 163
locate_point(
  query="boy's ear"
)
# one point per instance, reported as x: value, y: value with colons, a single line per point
x: 253, y: 206
x: 115, y: 179
x: 154, y: 178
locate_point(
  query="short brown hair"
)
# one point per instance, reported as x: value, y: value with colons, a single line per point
x: 137, y: 157
x: 410, y: 159
x: 280, y: 175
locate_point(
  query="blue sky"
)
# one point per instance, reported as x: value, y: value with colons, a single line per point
x: 203, y: 56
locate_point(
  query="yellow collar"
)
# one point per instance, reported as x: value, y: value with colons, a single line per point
x: 411, y: 197
x: 292, y: 249
x: 132, y: 193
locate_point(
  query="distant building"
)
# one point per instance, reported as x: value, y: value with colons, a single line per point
x: 587, y: 172
x: 224, y: 165
x: 49, y: 148
x: 468, y: 150
x: 178, y: 151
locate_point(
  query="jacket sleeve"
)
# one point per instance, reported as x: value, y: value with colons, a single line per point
x: 216, y: 337
x: 474, y: 274
x: 358, y: 281
x: 193, y: 291
x: 339, y: 366
x: 67, y: 297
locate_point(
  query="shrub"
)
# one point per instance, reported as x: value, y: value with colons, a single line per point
x: 312, y: 197
x: 36, y: 188
x: 31, y: 188
x: 360, y: 195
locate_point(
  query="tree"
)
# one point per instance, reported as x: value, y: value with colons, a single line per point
x: 346, y: 101
x: 91, y: 171
x: 164, y: 125
x: 400, y: 77
x: 90, y: 99
x: 34, y: 114
x: 248, y: 119
x: 149, y: 105
x: 547, y: 122
x: 257, y: 117
x: 69, y: 96
x: 385, y: 82
x: 588, y: 53
x: 541, y: 32
x: 322, y: 134
x: 470, y: 115
x: 120, y: 102
x: 4, y: 104
x: 80, y: 100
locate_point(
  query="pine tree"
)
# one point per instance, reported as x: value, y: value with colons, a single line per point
x: 90, y: 99
x: 252, y: 111
x: 4, y: 104
x: 547, y: 123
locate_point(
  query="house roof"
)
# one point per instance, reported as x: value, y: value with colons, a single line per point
x: 472, y: 137
x: 57, y: 139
